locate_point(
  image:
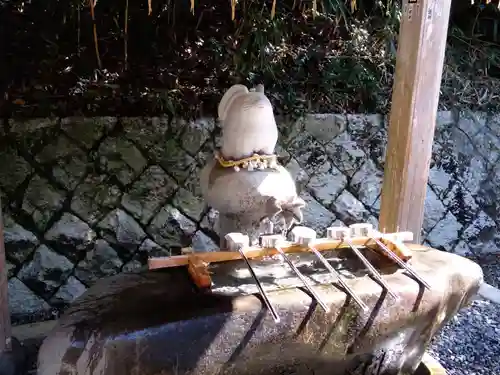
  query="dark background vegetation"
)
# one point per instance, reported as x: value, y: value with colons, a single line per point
x: 329, y: 55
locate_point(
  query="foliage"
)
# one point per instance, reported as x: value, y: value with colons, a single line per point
x: 120, y: 57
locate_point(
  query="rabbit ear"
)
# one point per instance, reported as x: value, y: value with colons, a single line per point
x: 228, y: 98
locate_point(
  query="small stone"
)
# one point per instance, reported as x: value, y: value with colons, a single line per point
x: 170, y: 228
x: 201, y: 242
x: 71, y: 236
x: 148, y: 193
x: 367, y: 182
x: 19, y: 242
x: 22, y: 126
x: 434, y: 210
x: 309, y: 153
x: 46, y: 271
x: 444, y: 235
x: 94, y: 196
x: 192, y: 205
x: 23, y: 303
x: 119, y: 157
x: 13, y: 169
x: 100, y: 262
x: 42, y: 201
x: 121, y: 229
x: 87, y: 130
x: 345, y: 154
x: 67, y: 161
x: 68, y: 292
x: 315, y: 215
x: 152, y: 249
x: 482, y: 235
x: 300, y: 176
x: 325, y: 127
x: 195, y: 134
x: 177, y: 161
x: 348, y: 209
x: 327, y: 183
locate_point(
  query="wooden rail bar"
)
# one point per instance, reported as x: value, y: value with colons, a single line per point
x: 321, y: 244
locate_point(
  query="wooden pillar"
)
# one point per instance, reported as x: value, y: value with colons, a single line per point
x: 5, y: 326
x: 419, y: 67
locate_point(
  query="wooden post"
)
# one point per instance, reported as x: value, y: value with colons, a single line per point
x: 419, y: 67
x: 5, y: 327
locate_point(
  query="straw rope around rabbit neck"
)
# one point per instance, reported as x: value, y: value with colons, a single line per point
x: 254, y: 162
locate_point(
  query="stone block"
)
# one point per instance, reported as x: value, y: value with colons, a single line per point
x: 434, y: 210
x: 350, y: 210
x: 119, y: 157
x: 22, y: 126
x: 71, y: 236
x: 298, y: 174
x: 325, y: 127
x: 99, y: 262
x: 289, y: 129
x: 327, y: 183
x: 177, y: 161
x: 193, y: 206
x: 482, y: 235
x: 13, y: 169
x: 24, y: 305
x: 148, y: 193
x: 119, y: 228
x: 87, y: 131
x: 315, y: 215
x: 170, y: 228
x: 66, y: 160
x: 444, y: 236
x: 94, y: 197
x: 346, y: 154
x: 308, y: 152
x: 42, y: 201
x: 19, y: 242
x: 68, y: 292
x: 367, y: 183
x: 46, y: 272
x: 195, y: 134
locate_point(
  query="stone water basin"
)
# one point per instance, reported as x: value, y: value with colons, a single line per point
x: 159, y: 323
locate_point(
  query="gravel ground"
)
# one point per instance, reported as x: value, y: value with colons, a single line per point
x: 470, y: 343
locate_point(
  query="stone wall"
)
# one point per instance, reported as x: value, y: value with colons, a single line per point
x: 87, y: 198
